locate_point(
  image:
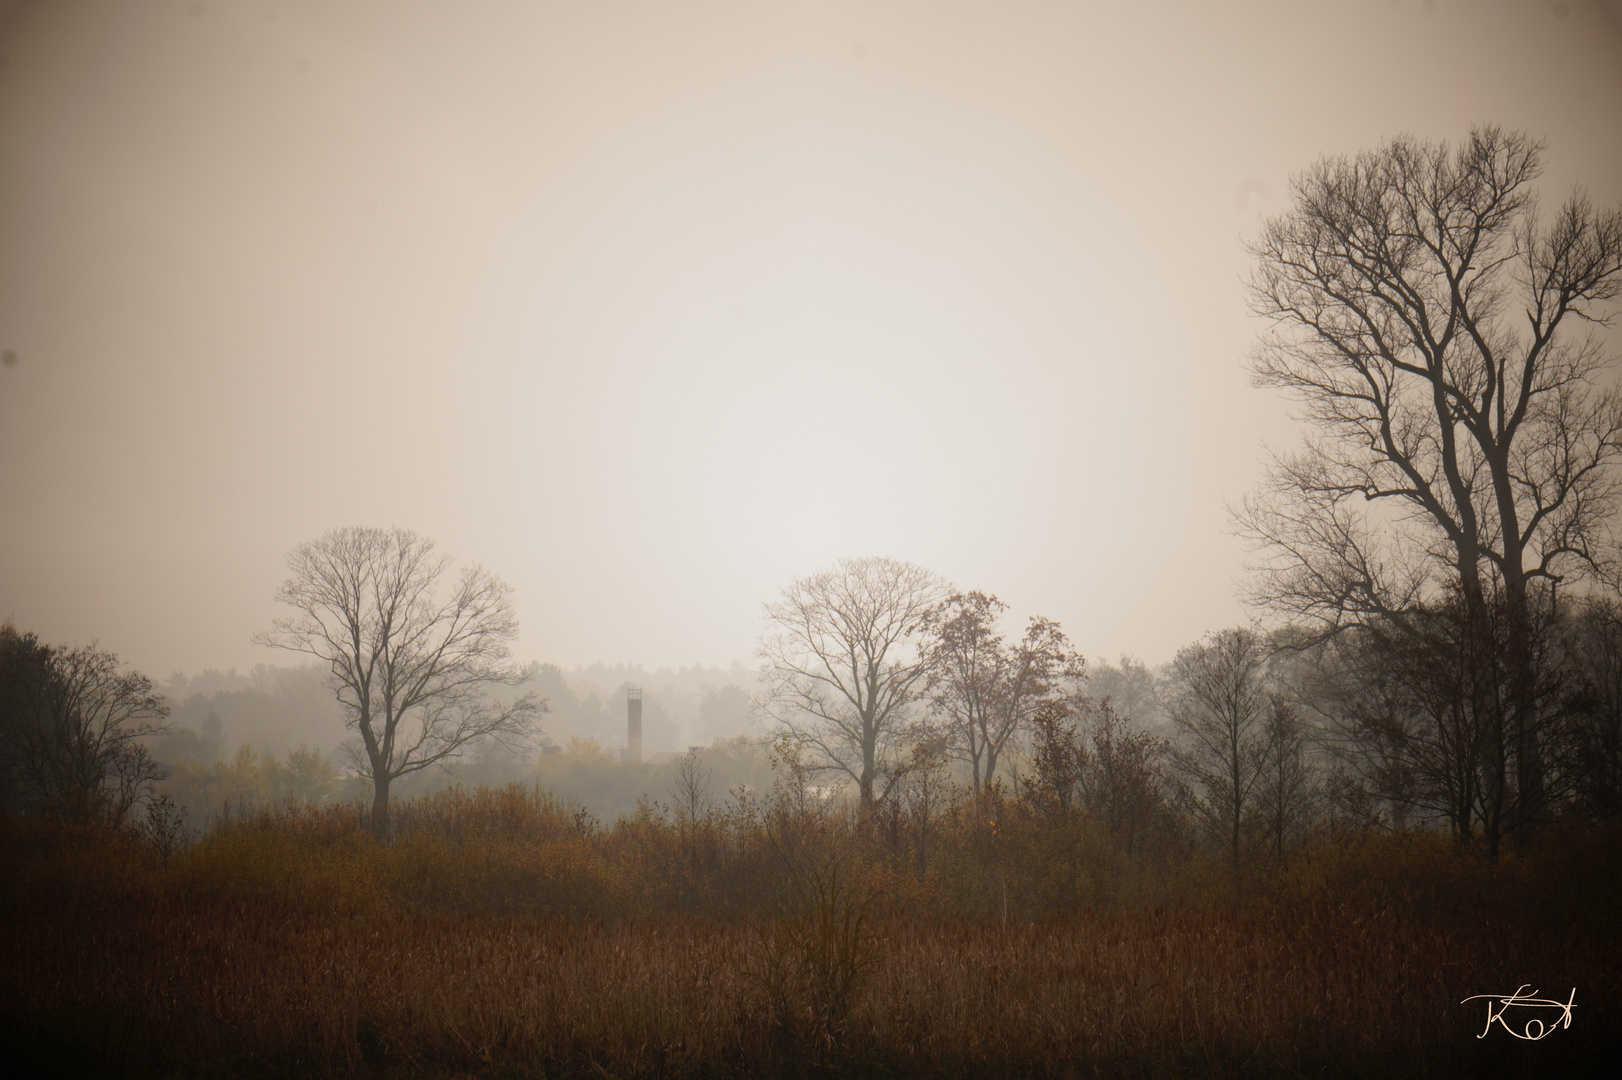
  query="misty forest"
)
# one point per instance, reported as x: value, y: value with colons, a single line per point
x: 917, y: 832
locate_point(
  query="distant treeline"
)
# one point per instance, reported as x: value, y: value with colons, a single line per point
x: 240, y: 742
x: 277, y: 709
x: 599, y: 784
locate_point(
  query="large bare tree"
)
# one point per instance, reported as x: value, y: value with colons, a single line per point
x: 985, y: 689
x: 840, y: 666
x: 414, y: 669
x: 1442, y: 340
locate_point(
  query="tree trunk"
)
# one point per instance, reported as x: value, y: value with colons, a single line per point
x: 1523, y: 721
x: 1485, y: 716
x: 380, y: 804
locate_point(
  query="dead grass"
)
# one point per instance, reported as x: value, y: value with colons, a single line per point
x: 402, y: 960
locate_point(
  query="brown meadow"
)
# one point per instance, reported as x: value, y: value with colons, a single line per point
x: 499, y: 936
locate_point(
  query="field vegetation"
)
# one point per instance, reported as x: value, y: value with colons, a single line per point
x: 503, y: 932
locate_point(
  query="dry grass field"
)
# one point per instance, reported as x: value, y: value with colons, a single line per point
x: 495, y: 937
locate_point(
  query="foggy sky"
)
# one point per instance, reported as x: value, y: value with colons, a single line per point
x: 651, y: 307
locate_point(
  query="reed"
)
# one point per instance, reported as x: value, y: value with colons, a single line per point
x: 499, y: 938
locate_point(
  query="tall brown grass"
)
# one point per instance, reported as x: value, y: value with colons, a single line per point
x: 499, y: 935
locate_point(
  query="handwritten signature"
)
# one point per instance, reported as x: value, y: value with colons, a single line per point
x: 1534, y: 1028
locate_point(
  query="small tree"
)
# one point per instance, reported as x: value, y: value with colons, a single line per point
x: 413, y: 671
x: 1058, y: 761
x: 929, y: 794
x: 1131, y: 689
x: 1122, y: 778
x: 306, y: 776
x: 73, y: 725
x: 984, y: 689
x: 1219, y: 705
x: 1593, y: 642
x: 1284, y: 794
x: 840, y: 669
x: 1105, y: 769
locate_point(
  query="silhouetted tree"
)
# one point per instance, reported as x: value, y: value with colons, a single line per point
x: 1057, y: 761
x: 928, y: 794
x: 840, y: 667
x: 1433, y: 329
x: 73, y: 725
x: 1218, y: 702
x: 1123, y: 778
x: 412, y: 670
x: 1088, y: 759
x: 1284, y: 792
x: 1418, y: 704
x: 1593, y: 641
x: 1132, y: 690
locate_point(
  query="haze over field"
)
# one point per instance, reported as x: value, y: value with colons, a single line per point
x: 651, y: 308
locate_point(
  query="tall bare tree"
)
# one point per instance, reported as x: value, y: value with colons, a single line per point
x: 1284, y: 793
x: 1442, y: 341
x: 1218, y: 702
x: 985, y: 689
x: 840, y: 667
x: 413, y: 670
x: 73, y: 726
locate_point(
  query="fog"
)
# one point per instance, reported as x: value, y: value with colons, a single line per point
x: 651, y: 308
x: 236, y: 740
x: 807, y: 366
x: 278, y: 708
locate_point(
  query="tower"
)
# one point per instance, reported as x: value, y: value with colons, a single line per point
x: 633, y: 723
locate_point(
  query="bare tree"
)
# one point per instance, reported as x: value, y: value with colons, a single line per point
x: 840, y: 668
x: 73, y: 726
x: 413, y: 671
x: 1218, y: 702
x: 1284, y: 794
x: 1441, y: 340
x: 986, y: 690
x: 1416, y: 710
x: 1058, y: 761
x: 1131, y: 690
x: 1087, y: 758
x: 929, y: 793
x: 1123, y: 779
x: 1593, y: 641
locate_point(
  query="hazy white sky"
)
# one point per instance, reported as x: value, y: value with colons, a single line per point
x: 653, y: 306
